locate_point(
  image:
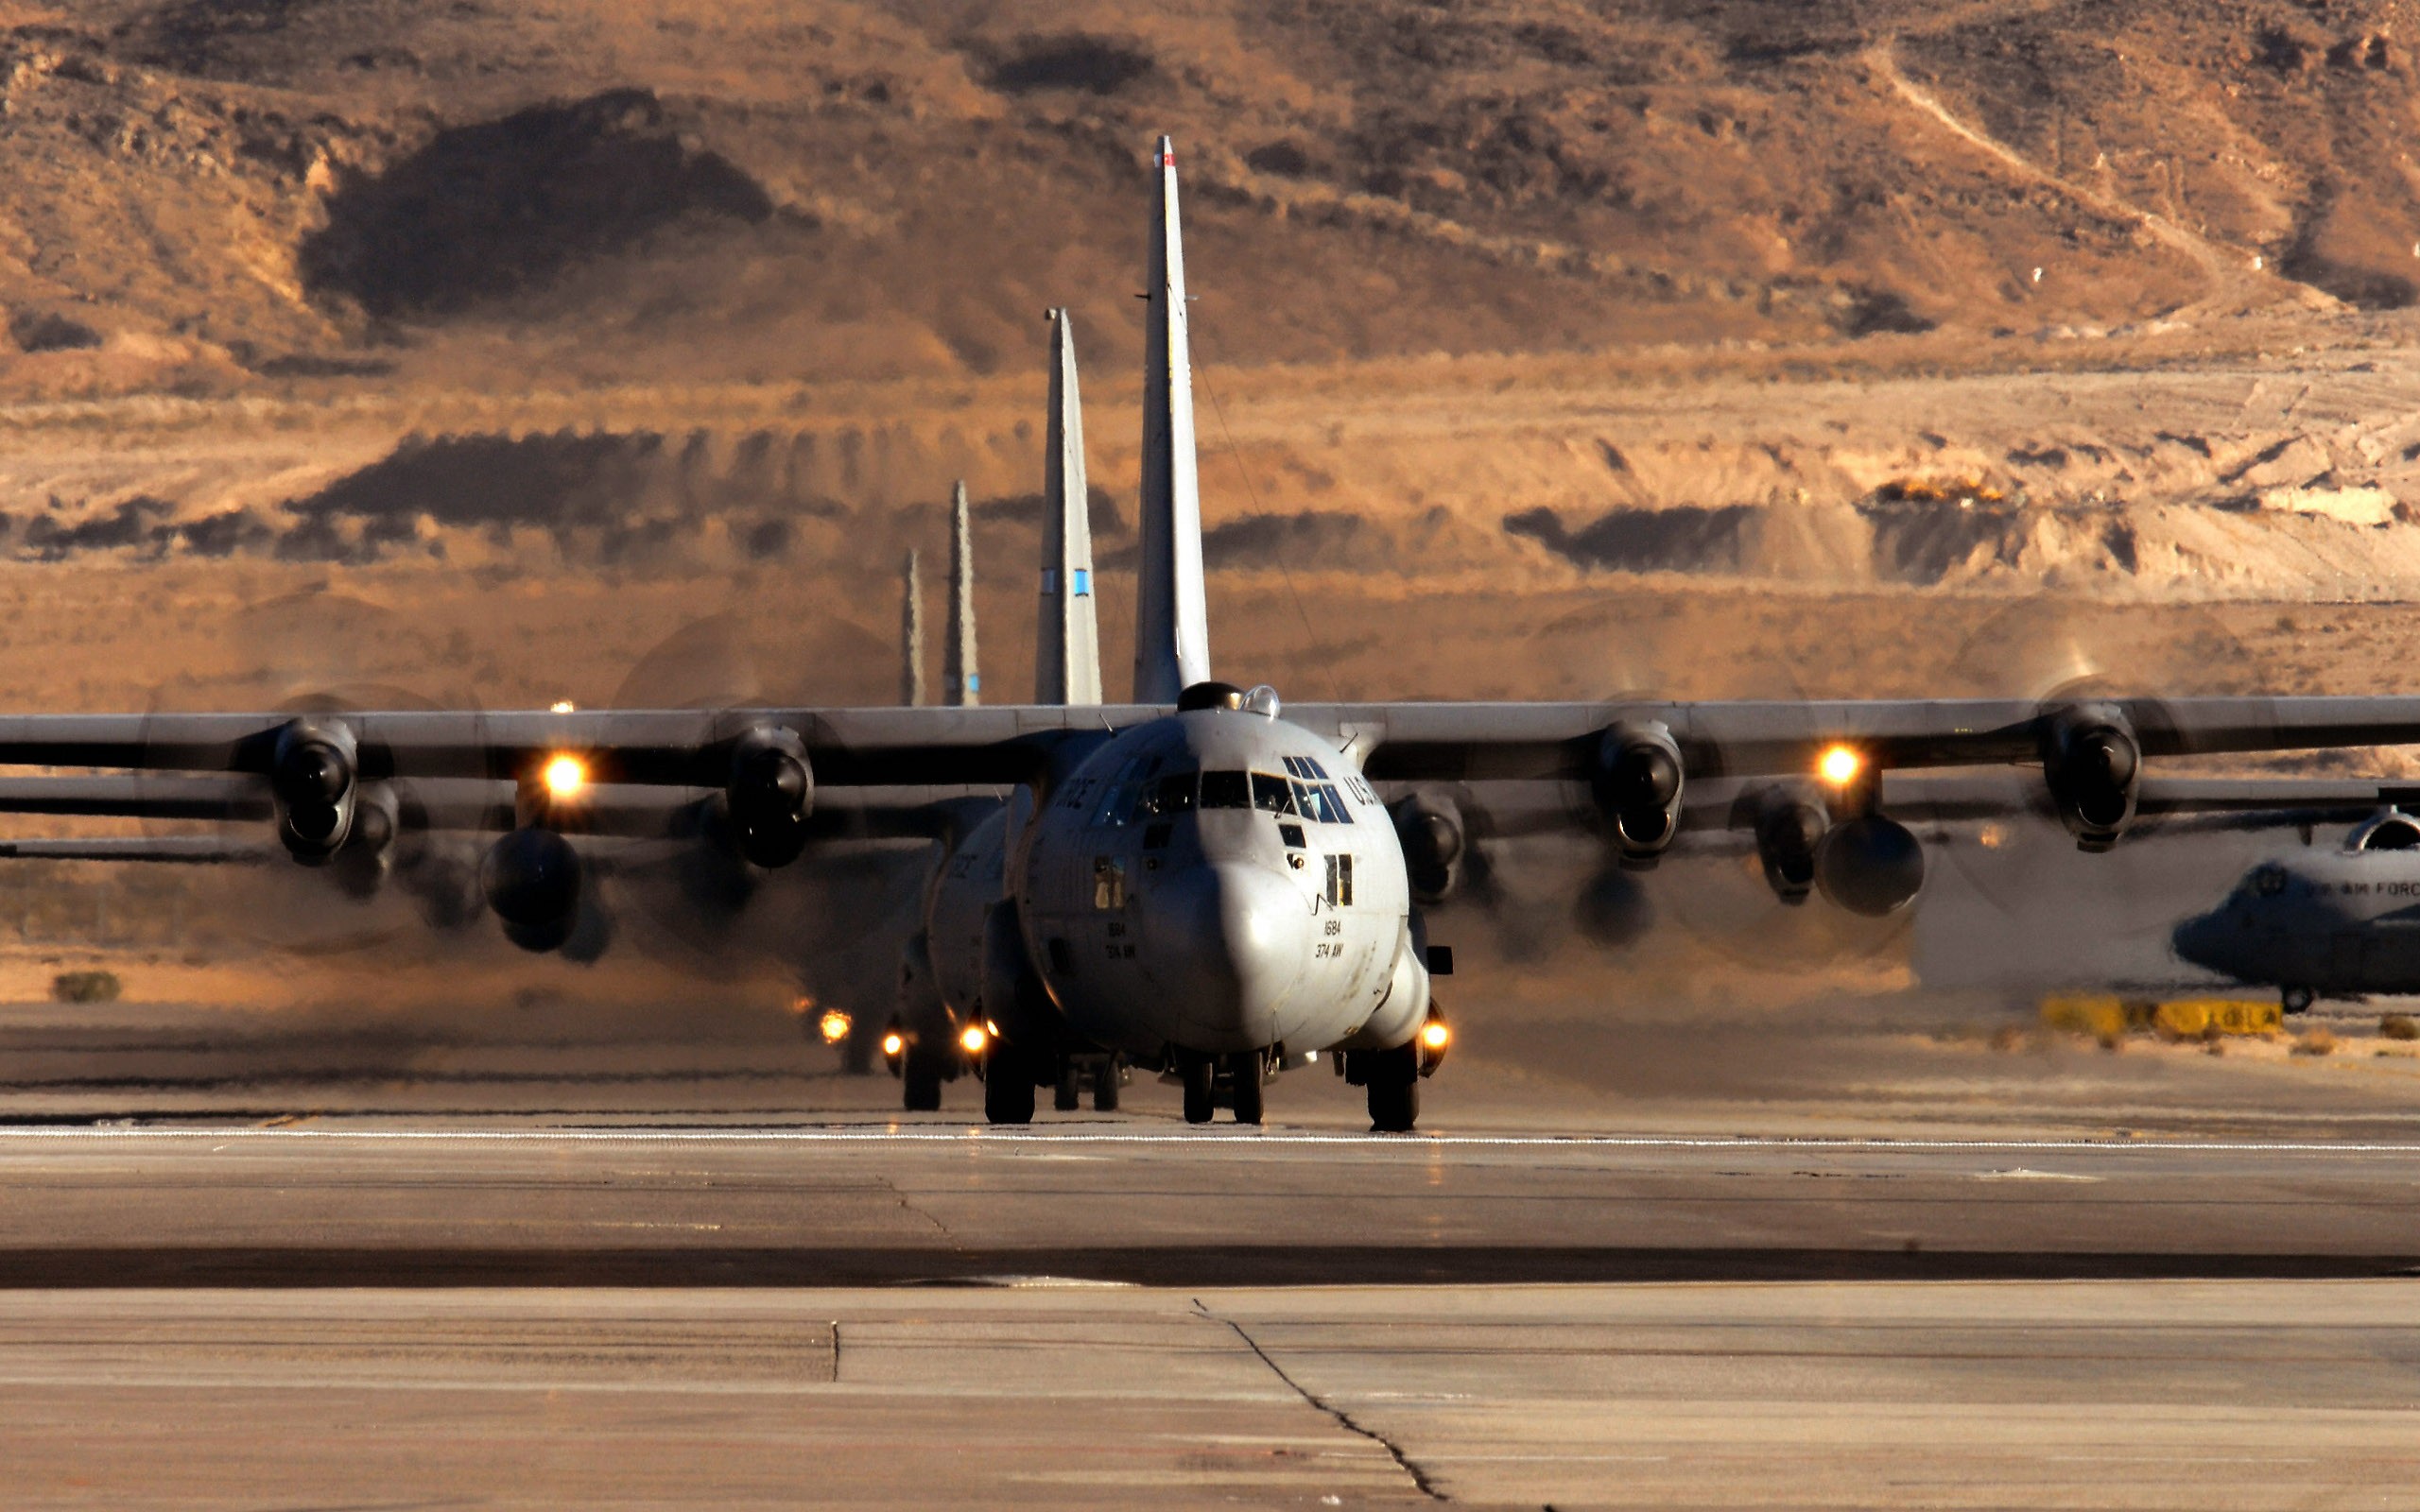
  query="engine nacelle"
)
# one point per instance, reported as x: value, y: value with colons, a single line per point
x: 531, y: 878
x: 1637, y: 787
x: 1789, y: 830
x: 1869, y: 865
x: 2392, y: 830
x: 2095, y: 768
x: 1429, y: 827
x: 369, y: 853
x: 313, y: 773
x: 771, y: 793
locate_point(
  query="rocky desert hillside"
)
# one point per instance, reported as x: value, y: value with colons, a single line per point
x: 1513, y: 308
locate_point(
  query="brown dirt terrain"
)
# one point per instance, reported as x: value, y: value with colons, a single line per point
x: 1517, y: 298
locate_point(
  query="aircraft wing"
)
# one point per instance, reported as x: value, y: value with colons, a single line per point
x: 1478, y: 741
x: 187, y: 849
x: 910, y: 746
x: 479, y: 804
x: 1720, y: 806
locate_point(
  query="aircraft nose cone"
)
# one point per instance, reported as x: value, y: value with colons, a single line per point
x: 1235, y: 938
x: 2202, y: 941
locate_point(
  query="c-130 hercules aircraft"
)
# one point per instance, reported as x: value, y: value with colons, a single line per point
x: 1202, y: 880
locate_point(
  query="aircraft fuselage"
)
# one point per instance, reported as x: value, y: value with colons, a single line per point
x: 2330, y: 923
x: 1209, y: 884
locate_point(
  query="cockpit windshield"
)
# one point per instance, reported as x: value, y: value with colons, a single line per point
x: 1226, y: 790
x: 1173, y: 794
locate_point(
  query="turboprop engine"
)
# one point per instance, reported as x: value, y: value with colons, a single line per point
x: 368, y: 855
x: 1435, y: 841
x: 532, y: 879
x: 771, y: 793
x: 1790, y: 828
x: 2094, y: 766
x: 2389, y: 830
x: 1870, y: 864
x: 1637, y: 787
x: 312, y: 773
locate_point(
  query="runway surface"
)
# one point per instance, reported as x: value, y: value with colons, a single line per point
x: 705, y: 1270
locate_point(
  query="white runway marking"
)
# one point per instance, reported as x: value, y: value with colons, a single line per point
x: 1204, y: 1139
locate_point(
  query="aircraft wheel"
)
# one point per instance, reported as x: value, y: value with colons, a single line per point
x: 1394, y: 1090
x: 1198, y: 1076
x: 2297, y: 1000
x: 1246, y: 1069
x: 1068, y: 1095
x: 1105, y: 1086
x: 1008, y: 1086
x: 922, y: 1078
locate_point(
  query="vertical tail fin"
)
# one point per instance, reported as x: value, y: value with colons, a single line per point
x: 1171, y: 614
x: 965, y: 683
x: 1066, y: 660
x: 911, y: 635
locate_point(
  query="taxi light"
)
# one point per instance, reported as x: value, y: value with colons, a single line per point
x: 1840, y: 765
x: 892, y: 1043
x: 973, y: 1038
x: 1435, y: 1036
x: 564, y: 777
x: 562, y: 706
x: 835, y: 1026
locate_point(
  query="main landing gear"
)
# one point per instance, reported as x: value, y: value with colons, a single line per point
x: 1392, y: 1077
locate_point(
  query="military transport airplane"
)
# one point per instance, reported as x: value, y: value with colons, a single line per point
x: 1204, y: 880
x: 2334, y: 923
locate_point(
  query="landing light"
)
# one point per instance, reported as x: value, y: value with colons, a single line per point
x: 893, y: 1043
x: 564, y: 777
x: 1840, y: 765
x: 834, y: 1027
x: 1435, y: 1036
x: 562, y: 706
x: 973, y: 1038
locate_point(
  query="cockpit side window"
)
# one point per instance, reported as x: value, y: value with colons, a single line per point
x: 1316, y: 800
x: 1274, y: 794
x: 1225, y: 790
x: 1118, y: 797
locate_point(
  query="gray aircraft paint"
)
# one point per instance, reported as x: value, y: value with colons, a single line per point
x: 1218, y: 930
x: 1171, y: 611
x: 1067, y: 658
x: 2333, y: 922
x: 965, y: 682
x: 911, y: 635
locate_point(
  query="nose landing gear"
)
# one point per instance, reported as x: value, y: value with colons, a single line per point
x: 1247, y: 1071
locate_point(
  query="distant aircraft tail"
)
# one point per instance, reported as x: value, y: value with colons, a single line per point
x: 1171, y: 614
x: 911, y: 634
x: 965, y: 688
x: 1066, y: 660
